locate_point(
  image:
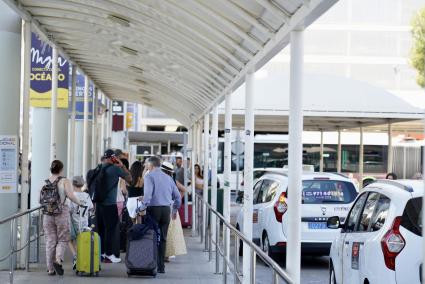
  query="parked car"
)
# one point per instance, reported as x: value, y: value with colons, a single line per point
x: 323, y: 195
x: 381, y: 239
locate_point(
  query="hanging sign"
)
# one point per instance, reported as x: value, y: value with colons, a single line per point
x: 117, y: 107
x: 8, y: 164
x: 41, y: 75
x: 79, y: 98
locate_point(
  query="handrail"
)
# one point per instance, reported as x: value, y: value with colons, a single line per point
x: 17, y: 215
x: 255, y: 250
x: 11, y: 255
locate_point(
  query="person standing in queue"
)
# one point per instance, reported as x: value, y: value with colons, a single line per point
x: 160, y: 192
x: 55, y: 197
x: 107, y: 211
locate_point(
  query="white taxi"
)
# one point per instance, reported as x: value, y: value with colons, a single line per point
x: 381, y: 240
x: 323, y: 195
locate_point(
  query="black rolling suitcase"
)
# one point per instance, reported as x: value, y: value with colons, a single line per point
x: 125, y: 225
x: 142, y: 251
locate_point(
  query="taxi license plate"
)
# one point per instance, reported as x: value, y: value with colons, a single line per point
x: 317, y: 225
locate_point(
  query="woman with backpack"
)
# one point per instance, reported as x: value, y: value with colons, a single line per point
x: 55, y: 197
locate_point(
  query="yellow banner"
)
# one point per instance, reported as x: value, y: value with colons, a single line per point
x: 44, y: 99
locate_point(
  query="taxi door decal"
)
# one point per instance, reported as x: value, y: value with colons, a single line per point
x: 355, y: 252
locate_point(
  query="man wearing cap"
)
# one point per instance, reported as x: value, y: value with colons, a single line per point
x: 160, y: 193
x: 107, y: 211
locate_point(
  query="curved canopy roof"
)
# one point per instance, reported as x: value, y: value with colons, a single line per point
x: 179, y: 56
x: 329, y: 103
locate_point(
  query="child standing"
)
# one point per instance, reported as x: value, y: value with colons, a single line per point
x: 79, y: 214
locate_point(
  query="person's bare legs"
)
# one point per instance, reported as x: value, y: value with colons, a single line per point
x: 49, y: 227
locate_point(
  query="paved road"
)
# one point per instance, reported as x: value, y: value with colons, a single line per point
x: 314, y: 270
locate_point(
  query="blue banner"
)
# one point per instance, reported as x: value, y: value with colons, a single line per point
x: 41, y: 75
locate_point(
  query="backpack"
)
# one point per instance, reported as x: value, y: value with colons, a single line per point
x: 96, y: 183
x: 50, y: 198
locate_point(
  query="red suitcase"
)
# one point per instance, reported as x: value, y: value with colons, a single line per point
x: 189, y: 215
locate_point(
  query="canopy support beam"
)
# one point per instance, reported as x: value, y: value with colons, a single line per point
x: 390, y: 149
x: 214, y: 158
x: 321, y: 152
x: 339, y: 150
x: 206, y: 168
x: 227, y: 167
x: 248, y: 173
x: 293, y: 252
x: 71, y: 147
x: 86, y: 125
x: 54, y: 104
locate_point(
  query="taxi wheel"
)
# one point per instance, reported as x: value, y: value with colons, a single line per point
x: 266, y: 246
x: 240, y: 242
x: 332, y: 279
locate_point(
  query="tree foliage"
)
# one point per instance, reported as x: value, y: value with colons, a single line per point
x: 417, y: 56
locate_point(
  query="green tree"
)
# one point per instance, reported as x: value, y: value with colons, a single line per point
x: 417, y: 56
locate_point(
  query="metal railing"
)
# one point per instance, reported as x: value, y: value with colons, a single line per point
x: 11, y: 255
x: 277, y: 272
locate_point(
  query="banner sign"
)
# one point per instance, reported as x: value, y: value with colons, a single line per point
x: 79, y: 98
x: 41, y: 75
x: 8, y: 164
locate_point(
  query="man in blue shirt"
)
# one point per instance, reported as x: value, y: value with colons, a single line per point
x: 160, y: 194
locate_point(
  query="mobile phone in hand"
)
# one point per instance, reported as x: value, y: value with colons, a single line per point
x: 114, y: 160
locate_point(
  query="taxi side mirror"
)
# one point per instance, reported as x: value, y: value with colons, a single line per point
x: 333, y: 223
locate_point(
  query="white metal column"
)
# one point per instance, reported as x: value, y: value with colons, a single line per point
x: 214, y: 158
x: 109, y: 129
x: 206, y: 168
x: 54, y: 105
x: 293, y: 253
x: 94, y: 140
x: 193, y: 132
x: 185, y: 179
x: 71, y: 147
x: 199, y: 143
x: 390, y: 149
x: 248, y: 174
x: 10, y: 106
x: 25, y: 90
x: 86, y: 125
x: 339, y: 152
x: 227, y: 163
x: 101, y: 139
x: 25, y: 95
x: 361, y: 159
x: 321, y: 152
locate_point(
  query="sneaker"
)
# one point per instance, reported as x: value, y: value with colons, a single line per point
x: 113, y: 258
x: 58, y: 268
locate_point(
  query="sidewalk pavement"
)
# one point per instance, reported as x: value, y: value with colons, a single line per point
x: 187, y: 269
